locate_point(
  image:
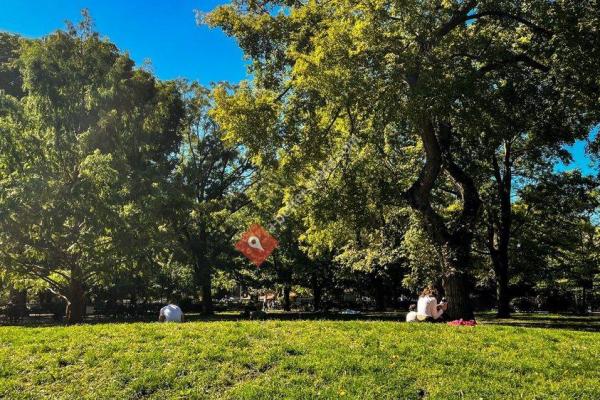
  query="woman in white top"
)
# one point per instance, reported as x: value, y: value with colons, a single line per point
x: 428, y: 308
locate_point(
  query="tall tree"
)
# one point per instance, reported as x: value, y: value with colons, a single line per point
x: 207, y: 188
x: 327, y: 70
x: 556, y: 240
x: 77, y: 165
x: 523, y: 126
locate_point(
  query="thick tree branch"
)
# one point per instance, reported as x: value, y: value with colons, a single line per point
x: 514, y: 59
x: 497, y: 174
x: 491, y: 233
x: 504, y: 15
x: 458, y: 19
x: 468, y: 190
x: 419, y: 194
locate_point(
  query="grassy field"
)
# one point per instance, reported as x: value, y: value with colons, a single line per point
x: 298, y: 360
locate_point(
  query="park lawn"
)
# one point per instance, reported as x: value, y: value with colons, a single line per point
x: 298, y: 360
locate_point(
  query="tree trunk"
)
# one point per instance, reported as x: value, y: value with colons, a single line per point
x: 19, y: 299
x: 455, y: 256
x: 502, y: 295
x: 457, y: 294
x: 287, y: 306
x: 203, y: 280
x: 379, y: 294
x: 207, y: 306
x: 202, y: 270
x: 500, y: 231
x: 499, y: 258
x: 317, y: 295
x: 75, y: 302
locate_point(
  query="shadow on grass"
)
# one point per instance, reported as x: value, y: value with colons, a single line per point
x: 589, y: 323
x: 41, y: 321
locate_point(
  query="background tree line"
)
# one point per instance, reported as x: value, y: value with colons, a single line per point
x: 395, y: 144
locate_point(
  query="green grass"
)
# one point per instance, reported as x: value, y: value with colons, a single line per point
x: 298, y: 360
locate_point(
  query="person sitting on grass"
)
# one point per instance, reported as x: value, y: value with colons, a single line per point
x: 171, y: 313
x: 428, y: 309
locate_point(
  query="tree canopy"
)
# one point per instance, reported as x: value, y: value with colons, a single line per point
x: 387, y: 145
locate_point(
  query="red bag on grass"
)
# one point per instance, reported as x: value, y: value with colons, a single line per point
x: 462, y: 322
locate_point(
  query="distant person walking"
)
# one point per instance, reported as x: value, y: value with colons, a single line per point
x: 428, y: 308
x: 171, y: 313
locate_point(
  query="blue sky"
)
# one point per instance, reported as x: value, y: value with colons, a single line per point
x: 163, y: 31
x: 580, y: 159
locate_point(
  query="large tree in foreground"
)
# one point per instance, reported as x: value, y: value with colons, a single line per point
x: 204, y: 192
x: 328, y: 70
x: 79, y: 155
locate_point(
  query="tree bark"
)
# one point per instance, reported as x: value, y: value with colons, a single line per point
x: 500, y: 230
x: 203, y: 279
x: 456, y: 255
x: 207, y: 304
x: 583, y: 306
x: 379, y: 294
x: 202, y: 270
x: 457, y: 293
x: 287, y: 305
x: 75, y: 299
x: 19, y: 299
x: 317, y: 295
x: 502, y: 293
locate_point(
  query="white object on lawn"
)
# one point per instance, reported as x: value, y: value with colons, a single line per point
x: 172, y: 313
